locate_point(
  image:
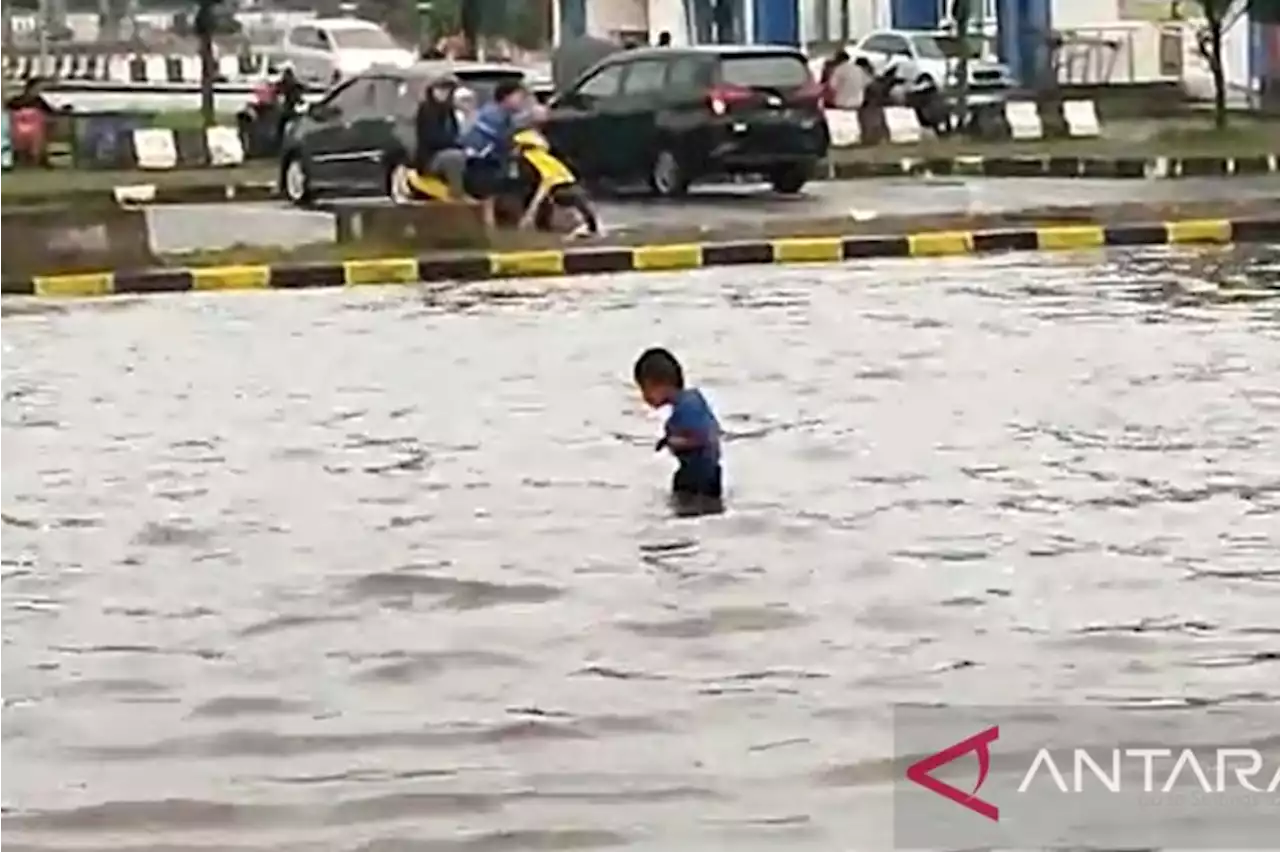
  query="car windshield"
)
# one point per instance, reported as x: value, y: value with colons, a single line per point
x: 927, y: 47
x: 484, y: 82
x: 951, y: 47
x: 768, y: 71
x: 362, y: 38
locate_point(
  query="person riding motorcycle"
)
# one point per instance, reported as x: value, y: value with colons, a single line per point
x: 439, y: 152
x: 489, y: 141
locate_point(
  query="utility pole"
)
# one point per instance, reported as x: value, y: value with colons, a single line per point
x: 44, y: 35
x: 205, y: 26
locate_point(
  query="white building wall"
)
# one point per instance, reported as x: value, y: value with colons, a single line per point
x: 823, y: 20
x: 605, y: 18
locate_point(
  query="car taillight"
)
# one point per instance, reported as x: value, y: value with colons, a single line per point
x: 811, y: 93
x: 720, y: 97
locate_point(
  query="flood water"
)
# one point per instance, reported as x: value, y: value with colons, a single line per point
x: 393, y: 569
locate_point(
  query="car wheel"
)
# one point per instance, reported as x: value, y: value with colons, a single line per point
x: 789, y: 180
x: 667, y: 177
x: 295, y: 180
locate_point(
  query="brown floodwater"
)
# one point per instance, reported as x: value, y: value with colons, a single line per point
x: 393, y: 569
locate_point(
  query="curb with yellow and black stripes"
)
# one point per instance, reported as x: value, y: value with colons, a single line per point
x: 595, y: 261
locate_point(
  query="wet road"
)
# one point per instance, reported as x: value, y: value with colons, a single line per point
x: 392, y: 570
x: 187, y: 228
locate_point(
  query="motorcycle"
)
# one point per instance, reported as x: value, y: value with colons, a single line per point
x: 543, y: 186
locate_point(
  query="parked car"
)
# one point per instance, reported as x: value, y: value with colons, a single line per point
x: 916, y: 54
x: 326, y: 50
x: 355, y: 138
x: 672, y: 115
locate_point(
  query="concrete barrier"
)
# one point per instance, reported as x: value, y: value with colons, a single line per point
x: 73, y: 240
x: 427, y: 225
x: 408, y: 269
x: 162, y: 149
x: 1009, y: 120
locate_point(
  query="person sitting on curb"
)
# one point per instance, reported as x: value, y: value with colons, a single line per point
x: 436, y: 122
x: 30, y: 97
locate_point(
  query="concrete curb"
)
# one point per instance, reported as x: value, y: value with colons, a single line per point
x: 594, y: 261
x: 150, y: 193
x: 1063, y: 167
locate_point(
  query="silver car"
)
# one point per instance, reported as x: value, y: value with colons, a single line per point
x: 325, y: 50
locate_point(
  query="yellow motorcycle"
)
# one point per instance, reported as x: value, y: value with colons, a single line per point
x: 544, y: 185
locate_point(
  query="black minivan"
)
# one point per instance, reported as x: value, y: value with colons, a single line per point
x: 672, y: 115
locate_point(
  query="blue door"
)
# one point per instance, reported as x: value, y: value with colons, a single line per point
x: 914, y: 14
x: 777, y: 21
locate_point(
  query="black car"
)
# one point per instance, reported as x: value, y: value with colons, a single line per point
x: 671, y: 115
x: 355, y: 138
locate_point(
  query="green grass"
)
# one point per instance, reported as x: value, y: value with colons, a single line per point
x: 765, y: 229
x: 187, y: 120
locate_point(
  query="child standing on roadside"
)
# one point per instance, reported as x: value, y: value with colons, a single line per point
x: 692, y: 433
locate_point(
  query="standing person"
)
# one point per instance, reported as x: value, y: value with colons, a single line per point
x: 439, y: 151
x: 692, y: 432
x: 848, y: 84
x: 833, y: 64
x: 664, y: 39
x: 289, y: 94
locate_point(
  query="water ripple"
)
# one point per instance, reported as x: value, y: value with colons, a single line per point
x: 394, y: 570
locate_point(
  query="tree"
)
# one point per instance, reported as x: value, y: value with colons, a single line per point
x: 961, y: 17
x: 206, y: 24
x: 1209, y: 41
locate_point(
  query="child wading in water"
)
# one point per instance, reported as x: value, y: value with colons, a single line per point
x: 692, y: 433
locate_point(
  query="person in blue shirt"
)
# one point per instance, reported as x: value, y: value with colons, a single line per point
x: 488, y: 140
x: 692, y: 433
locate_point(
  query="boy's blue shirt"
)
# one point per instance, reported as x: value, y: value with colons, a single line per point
x: 489, y: 136
x: 692, y: 415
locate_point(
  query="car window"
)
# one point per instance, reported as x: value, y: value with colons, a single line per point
x: 363, y: 38
x: 330, y: 97
x: 688, y: 72
x: 391, y: 97
x: 645, y: 78
x: 603, y: 84
x: 927, y: 47
x: 884, y: 43
x: 484, y: 82
x: 360, y: 98
x: 766, y: 70
x: 408, y: 94
x: 323, y: 40
x: 898, y: 46
x: 305, y: 37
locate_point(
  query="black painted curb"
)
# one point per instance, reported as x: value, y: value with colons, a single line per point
x: 1062, y: 167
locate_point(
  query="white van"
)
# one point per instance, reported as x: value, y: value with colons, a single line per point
x: 326, y: 50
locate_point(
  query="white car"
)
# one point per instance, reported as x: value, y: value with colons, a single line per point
x: 916, y: 54
x: 326, y: 50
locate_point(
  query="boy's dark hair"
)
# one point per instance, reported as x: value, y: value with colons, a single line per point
x: 506, y: 89
x: 659, y: 367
